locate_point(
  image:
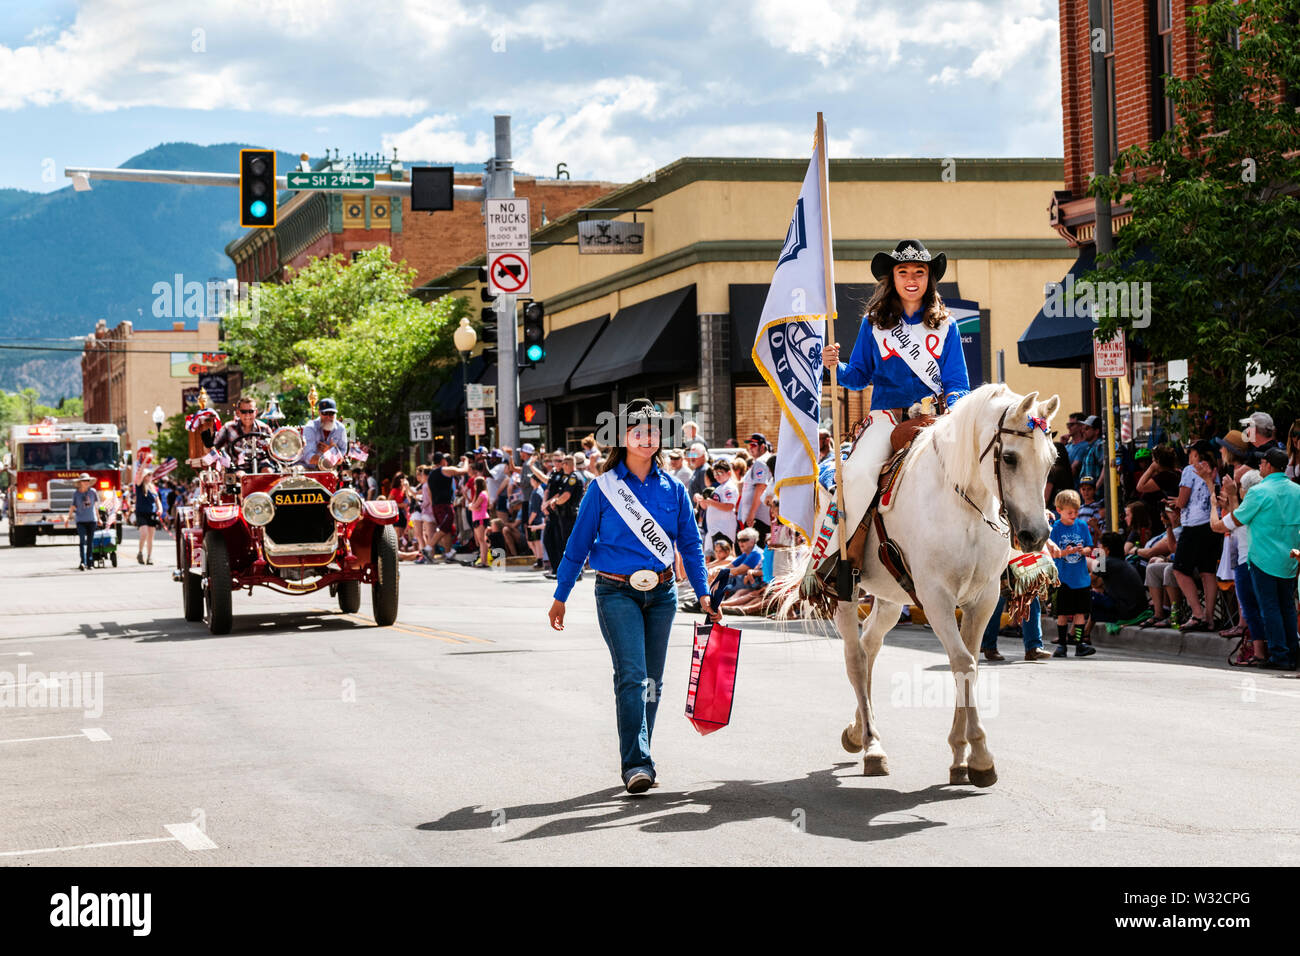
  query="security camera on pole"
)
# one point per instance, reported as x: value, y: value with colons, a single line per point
x: 509, y: 275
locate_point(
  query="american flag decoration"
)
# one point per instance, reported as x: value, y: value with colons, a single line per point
x: 1036, y: 422
x: 165, y: 469
x: 215, y: 456
x: 358, y: 451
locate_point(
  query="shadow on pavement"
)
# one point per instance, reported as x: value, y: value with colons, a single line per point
x: 245, y: 625
x: 818, y: 803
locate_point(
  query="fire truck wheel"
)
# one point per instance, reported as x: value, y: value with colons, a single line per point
x: 383, y: 592
x: 216, y: 584
x: 350, y: 597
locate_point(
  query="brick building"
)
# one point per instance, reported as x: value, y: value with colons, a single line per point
x: 314, y: 224
x: 126, y: 374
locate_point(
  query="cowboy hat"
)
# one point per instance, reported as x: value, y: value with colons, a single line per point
x: 909, y: 250
x: 84, y: 477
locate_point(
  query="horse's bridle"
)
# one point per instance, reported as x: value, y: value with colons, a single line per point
x: 995, y: 446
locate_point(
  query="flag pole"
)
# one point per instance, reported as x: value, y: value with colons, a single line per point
x: 828, y: 270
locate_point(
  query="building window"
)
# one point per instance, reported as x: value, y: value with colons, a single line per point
x: 1162, y: 65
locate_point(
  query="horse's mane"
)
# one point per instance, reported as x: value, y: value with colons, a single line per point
x: 961, y: 436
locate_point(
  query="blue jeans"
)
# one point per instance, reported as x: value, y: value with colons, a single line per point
x: 1031, y: 631
x: 86, y: 541
x: 1276, y: 597
x: 635, y: 625
x: 1249, y: 606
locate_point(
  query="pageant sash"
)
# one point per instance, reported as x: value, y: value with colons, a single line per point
x: 916, y: 345
x: 637, y: 517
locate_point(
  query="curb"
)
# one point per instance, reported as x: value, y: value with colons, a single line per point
x: 1203, y: 645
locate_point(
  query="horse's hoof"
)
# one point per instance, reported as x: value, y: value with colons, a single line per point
x: 847, y: 742
x: 957, y: 775
x: 875, y: 765
x: 983, y: 778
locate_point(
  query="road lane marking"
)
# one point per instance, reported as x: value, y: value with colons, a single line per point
x: 190, y: 836
x: 16, y: 654
x: 87, y: 733
x: 96, y: 734
x: 187, y: 835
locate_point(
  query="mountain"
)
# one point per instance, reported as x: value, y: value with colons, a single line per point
x: 75, y: 257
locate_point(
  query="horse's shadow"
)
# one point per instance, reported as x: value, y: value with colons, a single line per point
x: 817, y: 804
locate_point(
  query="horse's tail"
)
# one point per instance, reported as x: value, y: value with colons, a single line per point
x: 808, y: 589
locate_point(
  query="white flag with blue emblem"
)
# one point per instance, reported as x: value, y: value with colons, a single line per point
x: 788, y: 348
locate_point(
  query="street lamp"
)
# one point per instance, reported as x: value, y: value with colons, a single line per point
x: 465, y: 338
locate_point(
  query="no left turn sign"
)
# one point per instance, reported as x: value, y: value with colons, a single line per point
x: 509, y: 273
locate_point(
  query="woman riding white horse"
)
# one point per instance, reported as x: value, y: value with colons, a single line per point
x: 908, y: 349
x: 971, y: 482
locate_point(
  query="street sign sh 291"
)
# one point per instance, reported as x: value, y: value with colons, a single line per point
x: 343, y: 181
x: 508, y: 227
x: 510, y: 273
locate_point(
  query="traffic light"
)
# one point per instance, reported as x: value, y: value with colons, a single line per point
x: 532, y: 413
x: 534, y: 333
x: 257, y: 188
x: 488, y: 330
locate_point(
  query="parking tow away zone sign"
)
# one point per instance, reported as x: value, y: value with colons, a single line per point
x: 1110, y: 359
x: 510, y: 273
x: 508, y: 225
x: 477, y: 422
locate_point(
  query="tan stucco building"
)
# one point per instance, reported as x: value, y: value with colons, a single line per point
x: 677, y: 322
x: 126, y: 374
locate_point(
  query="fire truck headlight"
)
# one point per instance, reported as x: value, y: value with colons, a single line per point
x: 30, y: 495
x: 259, y: 509
x: 345, y: 506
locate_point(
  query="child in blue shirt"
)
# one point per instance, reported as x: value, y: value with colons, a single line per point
x: 1069, y: 544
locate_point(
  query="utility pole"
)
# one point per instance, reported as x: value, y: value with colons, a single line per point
x: 1104, y: 242
x: 501, y: 185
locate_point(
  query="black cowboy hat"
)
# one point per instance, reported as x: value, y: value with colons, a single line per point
x: 909, y: 250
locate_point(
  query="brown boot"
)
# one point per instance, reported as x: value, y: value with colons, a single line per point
x: 993, y: 655
x: 1038, y: 654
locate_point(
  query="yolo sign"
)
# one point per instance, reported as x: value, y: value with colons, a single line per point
x: 611, y: 237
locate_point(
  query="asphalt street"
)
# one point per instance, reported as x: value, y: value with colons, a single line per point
x: 470, y: 733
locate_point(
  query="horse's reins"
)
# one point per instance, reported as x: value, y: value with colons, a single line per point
x: 995, y: 446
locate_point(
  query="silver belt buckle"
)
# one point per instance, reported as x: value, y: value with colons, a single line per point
x: 643, y: 580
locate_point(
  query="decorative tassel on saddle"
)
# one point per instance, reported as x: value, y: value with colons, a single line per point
x: 1029, y: 576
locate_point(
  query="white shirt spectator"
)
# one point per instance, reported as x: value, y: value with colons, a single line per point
x: 756, y: 474
x: 716, y: 519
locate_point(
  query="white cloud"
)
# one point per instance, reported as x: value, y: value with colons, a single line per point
x: 437, y: 138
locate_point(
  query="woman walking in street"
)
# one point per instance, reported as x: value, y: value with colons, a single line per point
x: 148, y: 511
x: 629, y: 523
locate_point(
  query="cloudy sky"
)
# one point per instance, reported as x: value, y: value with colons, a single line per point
x: 612, y: 89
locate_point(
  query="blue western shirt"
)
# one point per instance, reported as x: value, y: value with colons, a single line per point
x: 615, y: 549
x: 896, y: 385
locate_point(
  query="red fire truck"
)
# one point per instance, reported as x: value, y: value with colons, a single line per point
x: 44, y: 462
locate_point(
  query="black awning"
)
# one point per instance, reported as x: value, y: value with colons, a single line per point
x: 449, y: 400
x: 659, y: 335
x: 565, y: 350
x: 1061, y: 341
x: 747, y: 309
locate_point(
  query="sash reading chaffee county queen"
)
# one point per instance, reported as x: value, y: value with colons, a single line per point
x: 637, y: 517
x: 788, y: 350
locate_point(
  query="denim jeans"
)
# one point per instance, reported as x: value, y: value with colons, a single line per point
x: 1276, y: 598
x: 1249, y: 605
x: 635, y: 625
x: 1031, y: 631
x: 86, y: 541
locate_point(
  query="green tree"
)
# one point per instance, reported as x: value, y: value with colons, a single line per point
x: 1215, y: 200
x: 355, y: 333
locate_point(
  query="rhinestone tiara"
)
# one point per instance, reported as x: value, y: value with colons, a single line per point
x: 912, y: 253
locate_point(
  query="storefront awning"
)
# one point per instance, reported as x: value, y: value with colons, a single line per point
x: 565, y: 350
x: 449, y: 400
x: 1060, y: 341
x: 659, y: 335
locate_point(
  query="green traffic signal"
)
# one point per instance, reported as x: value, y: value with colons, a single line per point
x: 535, y: 353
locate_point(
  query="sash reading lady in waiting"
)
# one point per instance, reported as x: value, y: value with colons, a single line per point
x: 630, y: 528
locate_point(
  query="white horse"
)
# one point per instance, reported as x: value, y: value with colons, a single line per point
x: 990, y: 450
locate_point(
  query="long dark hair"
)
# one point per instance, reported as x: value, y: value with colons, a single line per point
x: 885, y: 308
